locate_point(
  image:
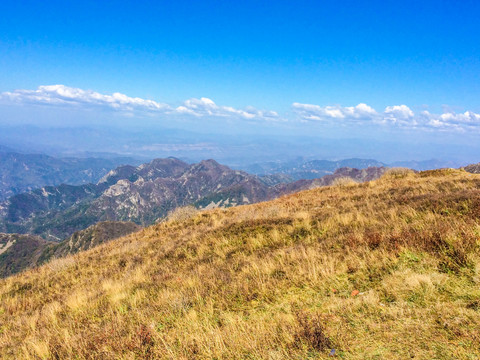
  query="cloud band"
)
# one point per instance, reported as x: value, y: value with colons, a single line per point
x: 361, y: 114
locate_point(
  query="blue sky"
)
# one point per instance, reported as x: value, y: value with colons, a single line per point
x: 321, y: 66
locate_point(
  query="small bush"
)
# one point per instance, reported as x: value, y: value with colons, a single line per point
x: 142, y: 343
x: 311, y: 331
x: 398, y: 172
x: 344, y: 181
x: 182, y: 213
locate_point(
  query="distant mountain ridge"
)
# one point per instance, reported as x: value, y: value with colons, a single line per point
x: 288, y: 171
x: 144, y: 194
x: 426, y: 164
x: 24, y: 172
x: 306, y: 169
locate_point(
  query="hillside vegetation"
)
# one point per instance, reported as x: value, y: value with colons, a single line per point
x: 20, y: 252
x: 388, y: 269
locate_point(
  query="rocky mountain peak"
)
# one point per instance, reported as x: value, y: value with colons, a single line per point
x: 168, y: 167
x: 473, y: 168
x: 209, y: 165
x: 121, y: 172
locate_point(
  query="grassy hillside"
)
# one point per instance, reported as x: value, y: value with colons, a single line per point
x: 383, y: 270
x: 19, y: 252
x: 92, y: 236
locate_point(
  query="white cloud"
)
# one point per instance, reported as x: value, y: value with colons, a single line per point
x: 363, y: 110
x: 61, y: 95
x: 207, y: 107
x: 396, y: 115
x: 326, y: 113
x: 398, y: 112
x: 400, y: 115
x: 467, y: 117
x: 361, y: 114
x: 64, y: 95
x: 452, y: 121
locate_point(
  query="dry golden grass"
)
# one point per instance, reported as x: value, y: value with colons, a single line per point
x: 344, y: 181
x: 182, y: 213
x: 399, y: 172
x: 270, y: 281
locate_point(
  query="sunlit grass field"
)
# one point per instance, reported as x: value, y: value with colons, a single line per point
x: 383, y: 270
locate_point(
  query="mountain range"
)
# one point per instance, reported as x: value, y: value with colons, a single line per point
x: 300, y: 168
x: 24, y: 172
x: 144, y: 194
x: 307, y: 169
